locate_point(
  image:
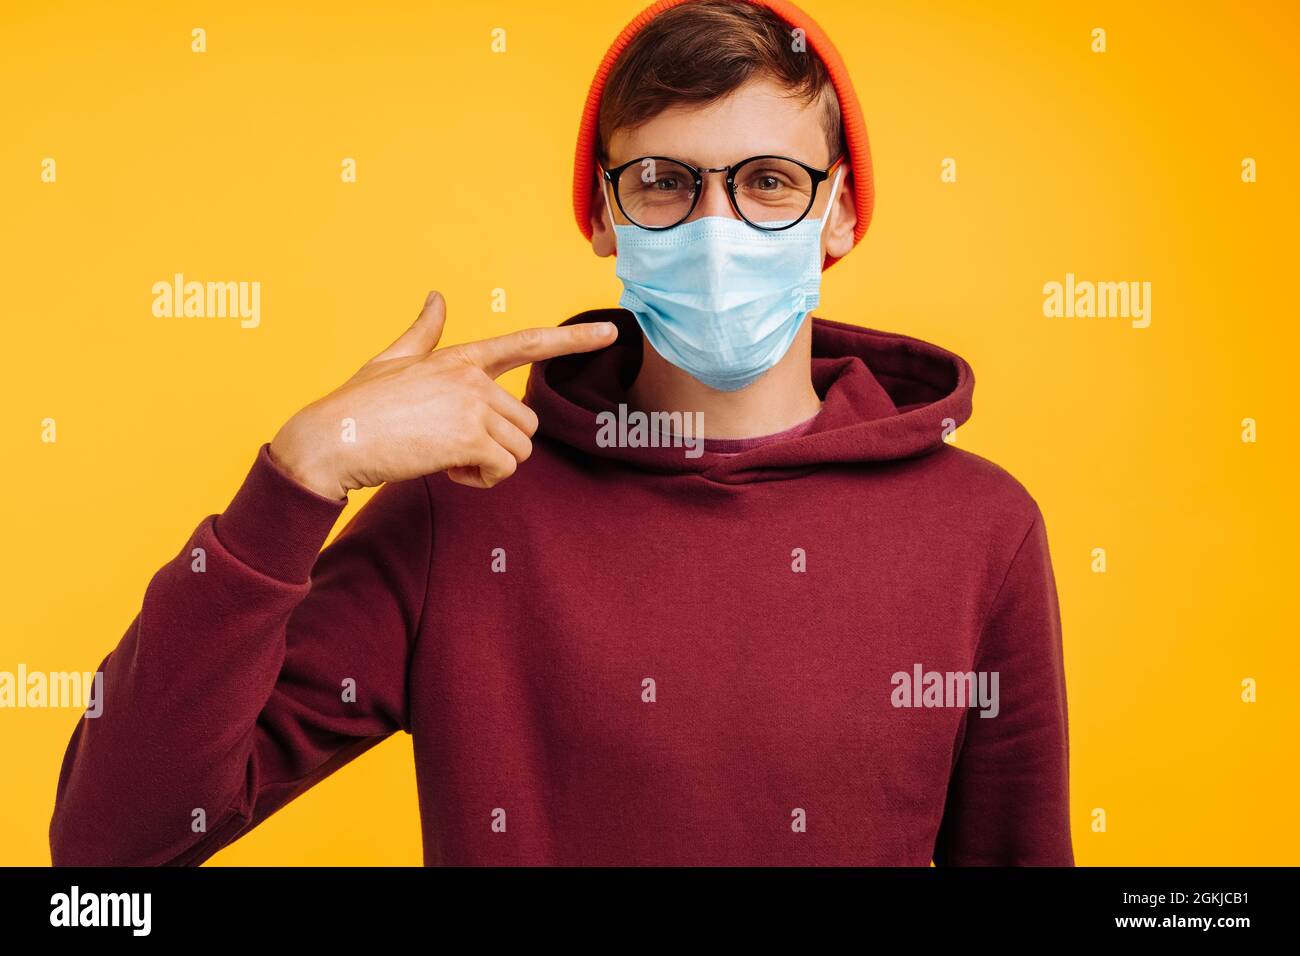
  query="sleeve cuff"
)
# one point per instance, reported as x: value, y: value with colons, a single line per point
x: 276, y: 525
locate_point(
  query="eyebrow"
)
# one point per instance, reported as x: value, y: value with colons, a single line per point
x: 692, y: 161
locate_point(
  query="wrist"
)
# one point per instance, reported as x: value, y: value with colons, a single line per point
x: 302, y: 461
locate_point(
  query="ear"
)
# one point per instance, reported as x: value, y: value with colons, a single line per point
x: 837, y: 237
x: 603, y: 242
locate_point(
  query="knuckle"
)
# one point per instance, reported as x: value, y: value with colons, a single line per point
x: 454, y: 354
x: 461, y: 432
x: 481, y: 445
x: 480, y: 381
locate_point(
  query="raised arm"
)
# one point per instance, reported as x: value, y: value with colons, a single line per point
x: 258, y: 664
x: 243, y: 681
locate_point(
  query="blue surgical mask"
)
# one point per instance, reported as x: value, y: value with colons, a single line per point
x: 716, y: 297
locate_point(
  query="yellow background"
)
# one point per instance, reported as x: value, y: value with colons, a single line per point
x: 1117, y: 166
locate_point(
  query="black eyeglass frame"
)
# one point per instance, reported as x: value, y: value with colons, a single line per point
x: 818, y: 177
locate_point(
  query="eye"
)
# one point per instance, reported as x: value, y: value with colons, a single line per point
x: 659, y: 178
x: 766, y: 181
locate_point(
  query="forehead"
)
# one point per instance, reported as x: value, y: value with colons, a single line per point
x: 759, y: 117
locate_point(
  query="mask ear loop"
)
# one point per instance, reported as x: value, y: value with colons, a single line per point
x: 801, y: 294
x: 609, y: 211
x: 830, y: 205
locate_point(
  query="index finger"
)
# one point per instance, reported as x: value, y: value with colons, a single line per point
x: 498, y: 355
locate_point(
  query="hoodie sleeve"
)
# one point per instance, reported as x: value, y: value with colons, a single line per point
x: 257, y: 666
x: 1008, y: 798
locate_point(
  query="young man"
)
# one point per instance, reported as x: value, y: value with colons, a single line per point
x: 821, y: 636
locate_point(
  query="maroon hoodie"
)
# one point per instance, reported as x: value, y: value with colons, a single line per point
x: 620, y: 655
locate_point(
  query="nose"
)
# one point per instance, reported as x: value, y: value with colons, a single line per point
x: 713, y: 196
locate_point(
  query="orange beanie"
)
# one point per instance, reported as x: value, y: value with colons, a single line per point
x: 855, y: 127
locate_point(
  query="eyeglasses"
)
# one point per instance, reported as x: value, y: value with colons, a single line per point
x: 768, y: 192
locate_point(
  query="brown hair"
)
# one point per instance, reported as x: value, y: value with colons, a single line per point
x: 702, y: 50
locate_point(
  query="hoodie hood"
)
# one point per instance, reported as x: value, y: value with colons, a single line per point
x: 885, y: 397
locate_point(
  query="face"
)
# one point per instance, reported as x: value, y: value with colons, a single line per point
x: 759, y: 118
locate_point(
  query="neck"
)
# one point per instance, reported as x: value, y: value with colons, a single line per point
x: 779, y: 399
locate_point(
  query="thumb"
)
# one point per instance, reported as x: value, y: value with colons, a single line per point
x: 423, y: 335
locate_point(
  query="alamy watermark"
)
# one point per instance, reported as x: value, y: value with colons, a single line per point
x: 75, y: 908
x: 638, y: 429
x: 1083, y: 299
x: 208, y: 300
x: 946, y: 689
x: 73, y: 689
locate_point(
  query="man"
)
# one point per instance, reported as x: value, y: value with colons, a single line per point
x: 819, y: 635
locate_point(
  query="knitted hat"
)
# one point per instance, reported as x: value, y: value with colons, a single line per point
x: 855, y: 127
